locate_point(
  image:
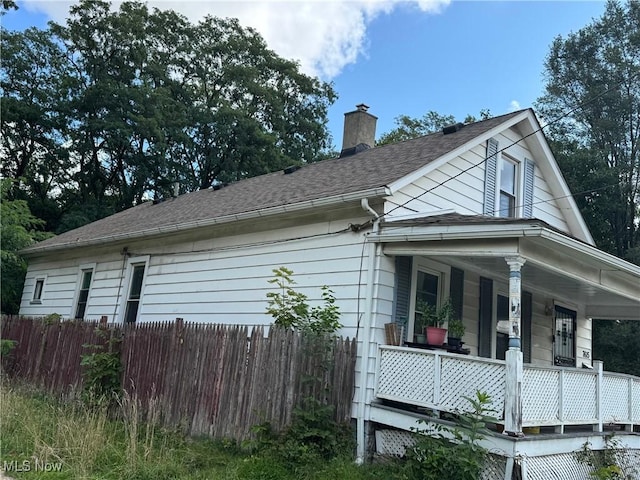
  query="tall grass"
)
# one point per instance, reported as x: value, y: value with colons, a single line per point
x: 91, y: 444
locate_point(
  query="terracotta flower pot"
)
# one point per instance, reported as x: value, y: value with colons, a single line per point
x: 436, y: 335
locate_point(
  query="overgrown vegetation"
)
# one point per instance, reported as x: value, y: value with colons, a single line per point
x: 101, y: 376
x: 313, y: 437
x: 88, y: 444
x: 612, y: 463
x: 452, y: 452
x: 290, y: 308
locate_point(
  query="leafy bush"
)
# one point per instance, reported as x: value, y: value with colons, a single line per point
x: 103, y: 369
x: 452, y: 452
x: 312, y: 437
x: 290, y: 309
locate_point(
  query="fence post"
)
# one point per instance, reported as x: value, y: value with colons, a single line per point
x: 179, y: 329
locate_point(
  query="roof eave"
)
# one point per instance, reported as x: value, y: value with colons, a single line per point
x: 374, y: 192
x: 519, y: 230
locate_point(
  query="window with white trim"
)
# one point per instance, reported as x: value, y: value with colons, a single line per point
x: 430, y: 281
x: 37, y: 290
x: 509, y: 184
x: 86, y: 275
x: 507, y: 203
x: 134, y: 293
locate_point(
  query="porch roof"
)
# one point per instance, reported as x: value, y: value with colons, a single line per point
x: 556, y: 264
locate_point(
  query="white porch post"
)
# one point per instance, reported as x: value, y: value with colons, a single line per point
x: 513, y: 381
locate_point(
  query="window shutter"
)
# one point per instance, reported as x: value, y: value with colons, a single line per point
x: 456, y: 290
x: 527, y: 200
x: 490, y: 177
x: 486, y: 331
x: 527, y: 317
x: 402, y: 293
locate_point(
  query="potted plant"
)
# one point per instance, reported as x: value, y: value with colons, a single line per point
x: 455, y: 331
x: 433, y: 319
x: 420, y: 324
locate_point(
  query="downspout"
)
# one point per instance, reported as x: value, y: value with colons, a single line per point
x: 366, y: 335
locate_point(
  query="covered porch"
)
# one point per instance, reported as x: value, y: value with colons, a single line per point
x: 534, y: 358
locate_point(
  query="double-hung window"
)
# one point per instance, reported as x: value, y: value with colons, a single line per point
x: 134, y: 293
x: 37, y: 290
x: 508, y: 188
x: 508, y: 184
x: 430, y: 282
x: 83, y: 292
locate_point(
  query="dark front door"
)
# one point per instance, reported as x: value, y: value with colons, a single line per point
x: 564, y: 337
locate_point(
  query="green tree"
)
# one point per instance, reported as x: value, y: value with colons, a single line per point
x: 616, y: 343
x: 594, y: 74
x: 32, y: 82
x: 410, y: 127
x: 597, y: 70
x: 19, y: 230
x: 111, y: 108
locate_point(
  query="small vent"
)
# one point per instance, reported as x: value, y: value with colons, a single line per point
x: 452, y: 128
x: 291, y: 169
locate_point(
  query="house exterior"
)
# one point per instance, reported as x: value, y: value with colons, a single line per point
x: 476, y: 213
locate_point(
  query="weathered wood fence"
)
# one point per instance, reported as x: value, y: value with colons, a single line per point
x: 215, y: 380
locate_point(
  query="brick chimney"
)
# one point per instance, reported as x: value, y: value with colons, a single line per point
x: 359, y: 131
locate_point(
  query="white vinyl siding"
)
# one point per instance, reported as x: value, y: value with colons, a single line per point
x: 221, y: 280
x: 466, y: 193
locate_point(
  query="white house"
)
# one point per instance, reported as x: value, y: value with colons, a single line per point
x: 478, y: 213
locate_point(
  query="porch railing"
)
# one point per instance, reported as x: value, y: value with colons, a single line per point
x: 551, y: 396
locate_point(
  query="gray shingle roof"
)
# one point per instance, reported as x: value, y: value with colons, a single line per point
x: 376, y: 167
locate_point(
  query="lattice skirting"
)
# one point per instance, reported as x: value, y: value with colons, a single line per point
x: 562, y: 466
x: 395, y: 442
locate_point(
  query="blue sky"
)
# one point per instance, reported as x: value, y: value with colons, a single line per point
x: 398, y: 57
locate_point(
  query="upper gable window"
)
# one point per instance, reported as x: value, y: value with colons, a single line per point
x: 508, y: 188
x: 508, y: 184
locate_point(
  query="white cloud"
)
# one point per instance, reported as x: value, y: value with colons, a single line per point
x: 324, y: 36
x: 514, y: 105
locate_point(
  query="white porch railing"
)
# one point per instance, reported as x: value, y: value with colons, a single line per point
x: 551, y: 396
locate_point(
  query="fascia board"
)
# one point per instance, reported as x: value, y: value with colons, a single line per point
x: 376, y: 192
x: 416, y: 174
x: 612, y: 261
x: 466, y: 232
x: 455, y: 232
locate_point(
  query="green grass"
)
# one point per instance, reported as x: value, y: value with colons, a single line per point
x: 87, y: 444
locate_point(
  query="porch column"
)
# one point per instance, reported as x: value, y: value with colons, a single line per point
x: 513, y: 357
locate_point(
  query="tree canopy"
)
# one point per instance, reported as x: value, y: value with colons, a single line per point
x: 113, y: 107
x: 593, y: 84
x: 412, y: 127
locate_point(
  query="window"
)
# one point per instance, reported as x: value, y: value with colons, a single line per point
x: 83, y: 293
x: 430, y: 281
x: 37, y: 290
x: 508, y: 184
x: 135, y: 293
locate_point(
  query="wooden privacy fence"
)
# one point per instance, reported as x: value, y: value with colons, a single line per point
x: 216, y: 380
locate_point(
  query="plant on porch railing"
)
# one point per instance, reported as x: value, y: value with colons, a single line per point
x: 452, y: 452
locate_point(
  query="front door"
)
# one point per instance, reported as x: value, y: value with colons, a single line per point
x: 564, y: 337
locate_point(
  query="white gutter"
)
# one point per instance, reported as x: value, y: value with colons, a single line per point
x: 366, y: 337
x: 165, y: 229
